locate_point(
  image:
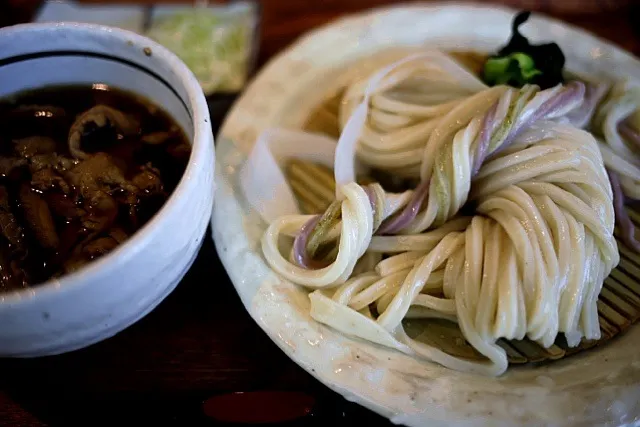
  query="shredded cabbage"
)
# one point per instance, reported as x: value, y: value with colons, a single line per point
x: 216, y: 46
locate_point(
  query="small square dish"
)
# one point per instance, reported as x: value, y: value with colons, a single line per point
x: 217, y: 42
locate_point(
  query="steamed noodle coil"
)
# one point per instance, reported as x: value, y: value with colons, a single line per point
x: 528, y: 262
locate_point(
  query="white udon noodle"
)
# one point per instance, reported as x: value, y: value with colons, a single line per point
x: 622, y: 101
x: 531, y: 263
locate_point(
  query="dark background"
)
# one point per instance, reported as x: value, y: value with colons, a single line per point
x: 198, y: 343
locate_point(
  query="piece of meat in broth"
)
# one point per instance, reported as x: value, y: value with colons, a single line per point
x: 76, y: 261
x: 47, y: 179
x: 101, y: 212
x: 63, y: 205
x: 34, y: 145
x: 96, y: 178
x: 100, y: 247
x: 148, y: 179
x: 95, y: 120
x: 9, y: 164
x: 97, y: 171
x: 93, y: 248
x: 51, y: 161
x: 38, y: 217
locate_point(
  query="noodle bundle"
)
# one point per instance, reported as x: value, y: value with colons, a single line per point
x: 508, y: 230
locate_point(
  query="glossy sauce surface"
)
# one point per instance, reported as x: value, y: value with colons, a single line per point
x: 81, y: 169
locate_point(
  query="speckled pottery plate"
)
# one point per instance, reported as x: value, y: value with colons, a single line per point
x: 596, y: 387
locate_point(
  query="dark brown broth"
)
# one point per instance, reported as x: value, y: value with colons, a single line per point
x: 91, y: 204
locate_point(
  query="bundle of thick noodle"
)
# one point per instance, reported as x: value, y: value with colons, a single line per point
x: 508, y: 231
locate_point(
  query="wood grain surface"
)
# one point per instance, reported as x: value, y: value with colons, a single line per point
x: 200, y: 341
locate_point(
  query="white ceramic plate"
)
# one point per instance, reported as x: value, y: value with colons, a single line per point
x: 598, y: 387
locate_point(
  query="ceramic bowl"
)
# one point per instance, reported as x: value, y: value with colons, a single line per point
x: 118, y: 289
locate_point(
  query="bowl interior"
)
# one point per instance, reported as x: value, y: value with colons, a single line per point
x: 28, y: 73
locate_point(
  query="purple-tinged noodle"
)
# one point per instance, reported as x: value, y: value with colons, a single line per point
x: 570, y: 95
x: 631, y: 134
x: 371, y: 195
x: 594, y: 93
x: 300, y: 253
x: 488, y: 125
x: 398, y: 222
x: 627, y: 228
